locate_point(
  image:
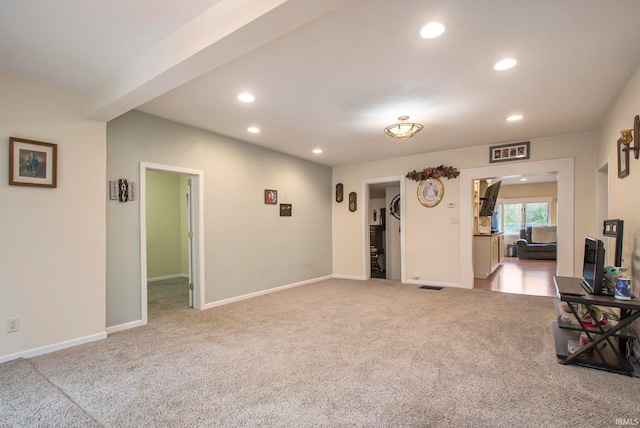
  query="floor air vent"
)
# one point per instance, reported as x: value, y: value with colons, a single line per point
x: 430, y: 287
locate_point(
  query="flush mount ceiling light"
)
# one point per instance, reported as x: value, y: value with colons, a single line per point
x: 246, y: 97
x: 403, y: 129
x: 317, y: 151
x: 432, y: 30
x: 253, y: 130
x: 514, y: 117
x: 505, y: 64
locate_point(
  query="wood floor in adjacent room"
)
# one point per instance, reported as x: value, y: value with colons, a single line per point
x: 532, y: 277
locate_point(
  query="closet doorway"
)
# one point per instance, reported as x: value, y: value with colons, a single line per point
x: 170, y: 238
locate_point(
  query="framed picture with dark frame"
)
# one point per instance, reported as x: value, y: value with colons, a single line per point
x: 270, y: 196
x: 623, y: 160
x: 509, y: 152
x: 285, y: 210
x: 33, y: 163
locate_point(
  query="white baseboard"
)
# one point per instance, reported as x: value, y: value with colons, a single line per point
x: 52, y: 348
x: 162, y: 278
x: 356, y: 278
x: 125, y: 326
x: 263, y: 292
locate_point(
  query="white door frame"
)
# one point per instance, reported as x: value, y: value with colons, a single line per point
x: 197, y: 208
x: 563, y: 167
x: 366, y: 257
x: 603, y: 204
x: 190, y: 241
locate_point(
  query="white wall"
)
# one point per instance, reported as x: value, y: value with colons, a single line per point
x: 433, y: 234
x: 248, y: 246
x: 52, y: 251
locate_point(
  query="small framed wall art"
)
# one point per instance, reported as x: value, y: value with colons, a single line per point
x: 270, y: 196
x: 509, y: 152
x: 33, y: 163
x: 285, y: 210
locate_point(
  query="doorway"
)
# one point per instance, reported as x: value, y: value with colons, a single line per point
x: 565, y: 176
x: 169, y: 250
x: 523, y: 200
x: 383, y: 228
x: 166, y: 257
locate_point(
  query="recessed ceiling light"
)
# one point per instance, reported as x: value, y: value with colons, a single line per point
x: 246, y: 97
x: 253, y: 130
x: 523, y: 179
x: 317, y: 151
x: 514, y: 117
x: 505, y: 64
x: 432, y: 30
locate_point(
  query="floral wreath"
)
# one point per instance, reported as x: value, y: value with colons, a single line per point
x: 437, y: 172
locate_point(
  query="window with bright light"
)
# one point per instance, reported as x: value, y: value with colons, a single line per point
x: 518, y: 213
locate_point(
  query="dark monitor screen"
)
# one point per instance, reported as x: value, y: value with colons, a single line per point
x: 489, y: 200
x: 593, y: 265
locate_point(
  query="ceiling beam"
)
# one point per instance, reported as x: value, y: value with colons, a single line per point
x: 223, y: 33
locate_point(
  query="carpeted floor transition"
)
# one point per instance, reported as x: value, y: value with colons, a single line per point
x: 332, y: 354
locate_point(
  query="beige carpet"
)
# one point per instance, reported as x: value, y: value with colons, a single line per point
x: 333, y: 354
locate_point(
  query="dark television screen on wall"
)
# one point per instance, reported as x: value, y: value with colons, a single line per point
x: 489, y: 200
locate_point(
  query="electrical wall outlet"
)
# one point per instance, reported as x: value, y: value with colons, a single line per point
x: 415, y: 277
x: 13, y: 325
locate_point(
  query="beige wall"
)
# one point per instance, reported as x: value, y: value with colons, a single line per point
x: 624, y: 202
x: 433, y: 234
x: 166, y: 225
x: 248, y: 247
x: 52, y: 251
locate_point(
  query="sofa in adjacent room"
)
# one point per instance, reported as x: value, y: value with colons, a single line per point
x: 537, y: 242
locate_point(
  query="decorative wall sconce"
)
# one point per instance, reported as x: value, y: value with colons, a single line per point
x: 627, y: 137
x: 353, y: 202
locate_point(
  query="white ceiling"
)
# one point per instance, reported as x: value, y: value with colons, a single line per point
x: 332, y: 74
